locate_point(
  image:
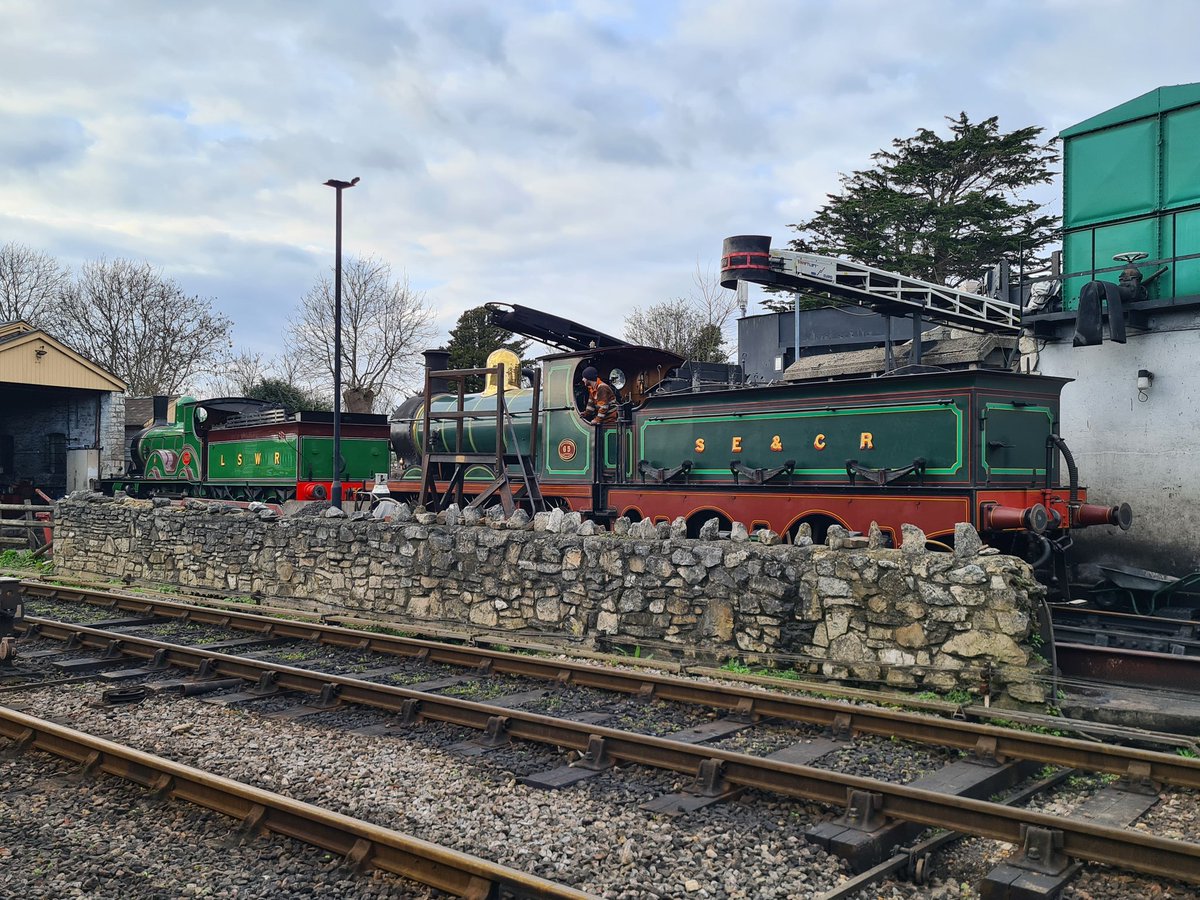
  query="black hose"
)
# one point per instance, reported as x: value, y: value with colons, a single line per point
x: 1046, y: 549
x: 1072, y: 473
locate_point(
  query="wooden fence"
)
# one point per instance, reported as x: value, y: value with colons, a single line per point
x: 37, y: 523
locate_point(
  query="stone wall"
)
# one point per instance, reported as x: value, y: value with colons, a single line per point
x: 112, y: 434
x: 853, y: 609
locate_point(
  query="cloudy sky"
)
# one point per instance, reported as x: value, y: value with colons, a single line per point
x: 582, y: 157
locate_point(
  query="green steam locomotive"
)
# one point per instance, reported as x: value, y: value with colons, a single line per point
x: 235, y: 448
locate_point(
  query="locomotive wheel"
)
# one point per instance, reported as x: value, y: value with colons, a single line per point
x: 8, y: 651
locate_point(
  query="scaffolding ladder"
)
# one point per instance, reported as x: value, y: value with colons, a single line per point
x: 507, y: 483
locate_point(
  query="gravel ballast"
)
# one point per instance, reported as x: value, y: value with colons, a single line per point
x: 66, y: 837
x: 593, y: 836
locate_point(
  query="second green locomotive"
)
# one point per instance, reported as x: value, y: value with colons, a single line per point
x: 235, y: 448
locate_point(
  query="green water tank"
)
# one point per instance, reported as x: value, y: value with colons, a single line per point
x: 1131, y: 183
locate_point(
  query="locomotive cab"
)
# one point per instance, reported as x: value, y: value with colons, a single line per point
x: 634, y: 373
x: 575, y: 449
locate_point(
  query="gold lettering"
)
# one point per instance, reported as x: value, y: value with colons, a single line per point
x: 776, y: 444
x: 737, y: 445
x: 239, y: 459
x: 819, y: 442
x: 276, y: 457
x: 257, y: 459
x: 699, y: 445
x: 866, y: 441
x: 222, y: 459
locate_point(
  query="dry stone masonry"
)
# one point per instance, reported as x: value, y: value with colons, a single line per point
x: 851, y: 609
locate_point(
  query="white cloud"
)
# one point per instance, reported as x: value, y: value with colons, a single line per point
x: 580, y: 157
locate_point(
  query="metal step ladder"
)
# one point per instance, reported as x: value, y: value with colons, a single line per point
x: 451, y: 467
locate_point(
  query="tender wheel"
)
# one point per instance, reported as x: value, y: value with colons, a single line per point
x: 921, y: 869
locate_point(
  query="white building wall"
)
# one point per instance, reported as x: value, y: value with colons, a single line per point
x: 1144, y: 451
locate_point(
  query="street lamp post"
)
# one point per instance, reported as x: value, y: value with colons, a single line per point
x: 335, y: 493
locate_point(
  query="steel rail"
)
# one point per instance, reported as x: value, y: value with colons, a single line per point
x: 1007, y: 743
x: 911, y: 857
x: 519, y: 641
x: 362, y: 843
x: 1124, y: 848
x: 1137, y: 668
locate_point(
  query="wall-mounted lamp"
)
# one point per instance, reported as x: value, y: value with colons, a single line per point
x: 39, y: 353
x: 1145, y: 379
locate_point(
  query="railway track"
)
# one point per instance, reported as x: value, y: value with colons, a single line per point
x: 1119, y: 648
x: 362, y: 844
x: 1098, y: 646
x: 718, y: 773
x: 790, y: 706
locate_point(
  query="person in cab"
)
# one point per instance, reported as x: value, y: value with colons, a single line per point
x: 602, y: 401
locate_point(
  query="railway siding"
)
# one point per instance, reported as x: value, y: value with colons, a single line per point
x: 896, y: 616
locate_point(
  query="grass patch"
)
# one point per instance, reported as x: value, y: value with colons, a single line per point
x: 737, y: 667
x: 24, y: 560
x: 297, y: 655
x: 958, y: 698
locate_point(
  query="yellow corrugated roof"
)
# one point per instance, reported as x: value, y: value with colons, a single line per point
x: 10, y: 329
x: 31, y: 356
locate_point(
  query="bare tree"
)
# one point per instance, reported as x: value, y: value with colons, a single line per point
x: 692, y: 326
x: 235, y: 374
x: 141, y: 326
x: 32, y: 285
x: 672, y: 325
x: 717, y: 305
x: 290, y: 368
x: 384, y: 325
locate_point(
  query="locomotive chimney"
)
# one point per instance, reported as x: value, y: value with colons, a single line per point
x: 436, y: 361
x: 161, y: 404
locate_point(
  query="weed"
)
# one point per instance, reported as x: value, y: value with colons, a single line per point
x: 23, y: 559
x: 636, y: 653
x: 958, y: 697
x: 293, y: 655
x: 1187, y: 753
x: 737, y: 667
